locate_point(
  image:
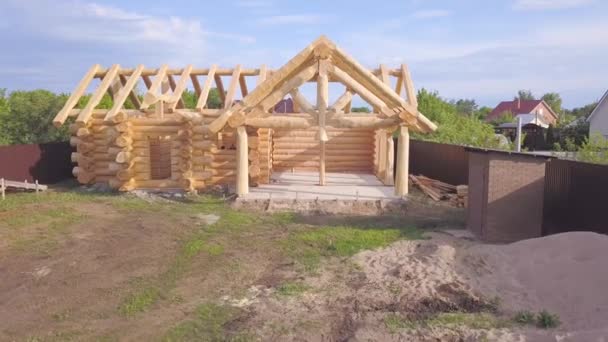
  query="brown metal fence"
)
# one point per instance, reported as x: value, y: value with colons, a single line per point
x: 576, y: 197
x: 447, y: 163
x: 47, y: 163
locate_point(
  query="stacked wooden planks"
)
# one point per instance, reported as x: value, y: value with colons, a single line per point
x: 438, y: 190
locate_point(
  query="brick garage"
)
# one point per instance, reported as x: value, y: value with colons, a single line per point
x: 506, y: 192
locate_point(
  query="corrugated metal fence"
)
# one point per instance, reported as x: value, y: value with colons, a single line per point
x: 576, y: 197
x: 447, y: 163
x: 47, y: 163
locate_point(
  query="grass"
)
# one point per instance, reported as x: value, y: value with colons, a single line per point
x: 524, y: 317
x: 289, y: 289
x: 394, y: 322
x: 543, y: 319
x: 546, y: 320
x: 207, y: 325
x: 307, y: 247
x: 481, y: 320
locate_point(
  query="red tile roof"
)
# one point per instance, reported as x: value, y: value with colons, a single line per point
x: 517, y: 107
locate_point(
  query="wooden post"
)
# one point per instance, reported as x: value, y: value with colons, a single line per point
x: 389, y: 177
x: 382, y: 154
x: 242, y: 162
x: 403, y: 151
x: 2, y: 188
x: 322, y: 103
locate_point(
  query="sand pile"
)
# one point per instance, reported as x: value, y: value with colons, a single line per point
x: 566, y: 274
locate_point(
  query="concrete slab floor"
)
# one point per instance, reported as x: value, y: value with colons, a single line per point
x: 305, y: 186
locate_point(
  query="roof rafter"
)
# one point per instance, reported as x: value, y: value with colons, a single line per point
x: 85, y: 114
x: 122, y: 95
x: 76, y: 95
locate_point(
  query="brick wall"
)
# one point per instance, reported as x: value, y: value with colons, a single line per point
x: 514, y: 197
x: 506, y: 193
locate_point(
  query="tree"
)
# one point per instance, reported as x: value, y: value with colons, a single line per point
x: 362, y: 109
x: 452, y: 127
x: 525, y: 95
x: 551, y: 137
x: 554, y: 100
x: 594, y: 150
x: 466, y: 107
x: 30, y: 115
x: 504, y: 117
x: 482, y: 113
x: 4, y: 116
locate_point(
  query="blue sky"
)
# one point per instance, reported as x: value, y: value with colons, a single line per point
x: 481, y: 49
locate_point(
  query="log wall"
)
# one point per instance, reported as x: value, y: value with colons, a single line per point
x: 348, y: 150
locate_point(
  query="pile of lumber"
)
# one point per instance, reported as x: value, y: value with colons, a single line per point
x: 440, y: 191
x: 462, y: 196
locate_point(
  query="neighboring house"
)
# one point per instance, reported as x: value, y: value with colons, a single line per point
x: 538, y: 108
x: 598, y: 120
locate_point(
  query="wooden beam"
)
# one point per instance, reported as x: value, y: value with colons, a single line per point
x: 370, y: 122
x: 202, y: 99
x: 242, y: 169
x: 341, y: 102
x: 75, y: 96
x: 179, y: 88
x: 124, y: 92
x: 173, y: 87
x: 409, y: 86
x: 243, y: 85
x: 322, y: 103
x: 196, y: 84
x: 220, y: 88
x: 132, y: 94
x: 234, y: 81
x: 300, y: 78
x: 299, y: 99
x: 358, y: 88
x: 151, y: 95
x: 389, y: 177
x: 280, y: 122
x: 262, y: 75
x: 403, y: 150
x: 86, y: 113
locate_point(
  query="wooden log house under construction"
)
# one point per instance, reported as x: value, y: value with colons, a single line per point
x: 163, y: 145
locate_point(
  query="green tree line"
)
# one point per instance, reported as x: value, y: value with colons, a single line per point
x: 26, y: 116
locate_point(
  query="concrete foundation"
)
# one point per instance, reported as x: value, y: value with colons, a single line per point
x: 344, y: 193
x: 305, y: 186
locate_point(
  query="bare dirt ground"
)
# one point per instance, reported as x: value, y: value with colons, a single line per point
x: 90, y: 267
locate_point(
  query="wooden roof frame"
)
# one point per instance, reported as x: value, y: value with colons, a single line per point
x: 374, y: 86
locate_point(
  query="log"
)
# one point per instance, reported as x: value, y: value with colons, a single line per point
x: 75, y: 96
x: 242, y: 184
x: 86, y: 113
x: 123, y: 157
x: 401, y: 182
x: 279, y: 122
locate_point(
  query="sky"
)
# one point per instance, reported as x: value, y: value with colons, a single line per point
x: 480, y: 49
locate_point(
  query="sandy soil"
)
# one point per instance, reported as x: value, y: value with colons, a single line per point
x: 350, y: 299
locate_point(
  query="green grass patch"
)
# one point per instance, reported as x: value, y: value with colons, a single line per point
x: 289, y: 289
x: 140, y: 301
x: 309, y: 246
x: 543, y: 319
x: 547, y: 320
x: 482, y: 320
x: 207, y: 325
x: 524, y: 317
x: 394, y: 322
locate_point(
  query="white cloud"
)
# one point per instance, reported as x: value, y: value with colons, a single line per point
x: 428, y: 14
x: 551, y: 58
x: 290, y: 19
x: 549, y: 4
